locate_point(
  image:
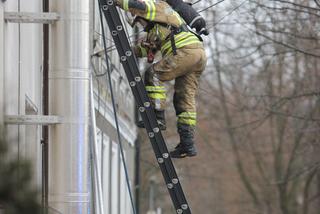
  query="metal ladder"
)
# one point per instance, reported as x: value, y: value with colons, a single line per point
x: 131, y: 69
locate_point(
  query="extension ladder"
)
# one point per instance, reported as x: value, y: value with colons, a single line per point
x: 130, y: 66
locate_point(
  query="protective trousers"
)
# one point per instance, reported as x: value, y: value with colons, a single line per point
x: 185, y: 67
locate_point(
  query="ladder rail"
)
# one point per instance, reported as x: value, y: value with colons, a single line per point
x: 146, y: 110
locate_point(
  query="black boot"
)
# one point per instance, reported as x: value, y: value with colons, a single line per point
x: 186, y: 146
x: 160, y: 119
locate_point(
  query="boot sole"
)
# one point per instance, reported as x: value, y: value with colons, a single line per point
x: 184, y: 155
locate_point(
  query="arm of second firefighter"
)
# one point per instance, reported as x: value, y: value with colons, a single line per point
x: 145, y: 8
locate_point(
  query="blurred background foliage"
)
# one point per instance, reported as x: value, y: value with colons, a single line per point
x: 17, y: 196
x: 258, y: 132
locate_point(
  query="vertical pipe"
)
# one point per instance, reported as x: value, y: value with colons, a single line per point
x: 1, y: 66
x: 45, y: 108
x: 19, y: 140
x: 69, y: 80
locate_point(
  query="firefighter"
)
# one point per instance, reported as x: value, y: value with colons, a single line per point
x: 183, y: 60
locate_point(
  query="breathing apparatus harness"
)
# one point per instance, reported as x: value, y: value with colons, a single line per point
x: 173, y: 31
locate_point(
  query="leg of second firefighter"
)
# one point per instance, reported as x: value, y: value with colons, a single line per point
x: 185, y: 105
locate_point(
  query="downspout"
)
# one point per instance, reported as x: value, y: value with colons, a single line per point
x: 1, y: 67
x: 69, y: 97
x: 45, y: 108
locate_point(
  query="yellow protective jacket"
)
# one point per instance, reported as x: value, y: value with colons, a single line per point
x: 159, y: 12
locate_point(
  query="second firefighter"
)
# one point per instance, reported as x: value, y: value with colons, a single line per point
x: 183, y: 60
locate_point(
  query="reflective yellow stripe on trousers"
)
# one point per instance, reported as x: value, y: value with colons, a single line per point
x: 189, y: 118
x: 157, y: 95
x: 155, y: 88
x: 156, y: 92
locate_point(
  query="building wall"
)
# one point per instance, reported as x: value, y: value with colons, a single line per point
x: 22, y: 82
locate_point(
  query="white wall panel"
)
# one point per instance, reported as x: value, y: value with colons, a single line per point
x: 23, y: 59
x: 11, y: 61
x: 12, y: 76
x: 31, y: 54
x: 30, y: 85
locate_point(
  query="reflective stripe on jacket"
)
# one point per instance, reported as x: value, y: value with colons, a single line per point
x: 182, y: 39
x: 157, y: 11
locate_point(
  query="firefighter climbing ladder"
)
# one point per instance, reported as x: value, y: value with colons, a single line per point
x: 130, y: 66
